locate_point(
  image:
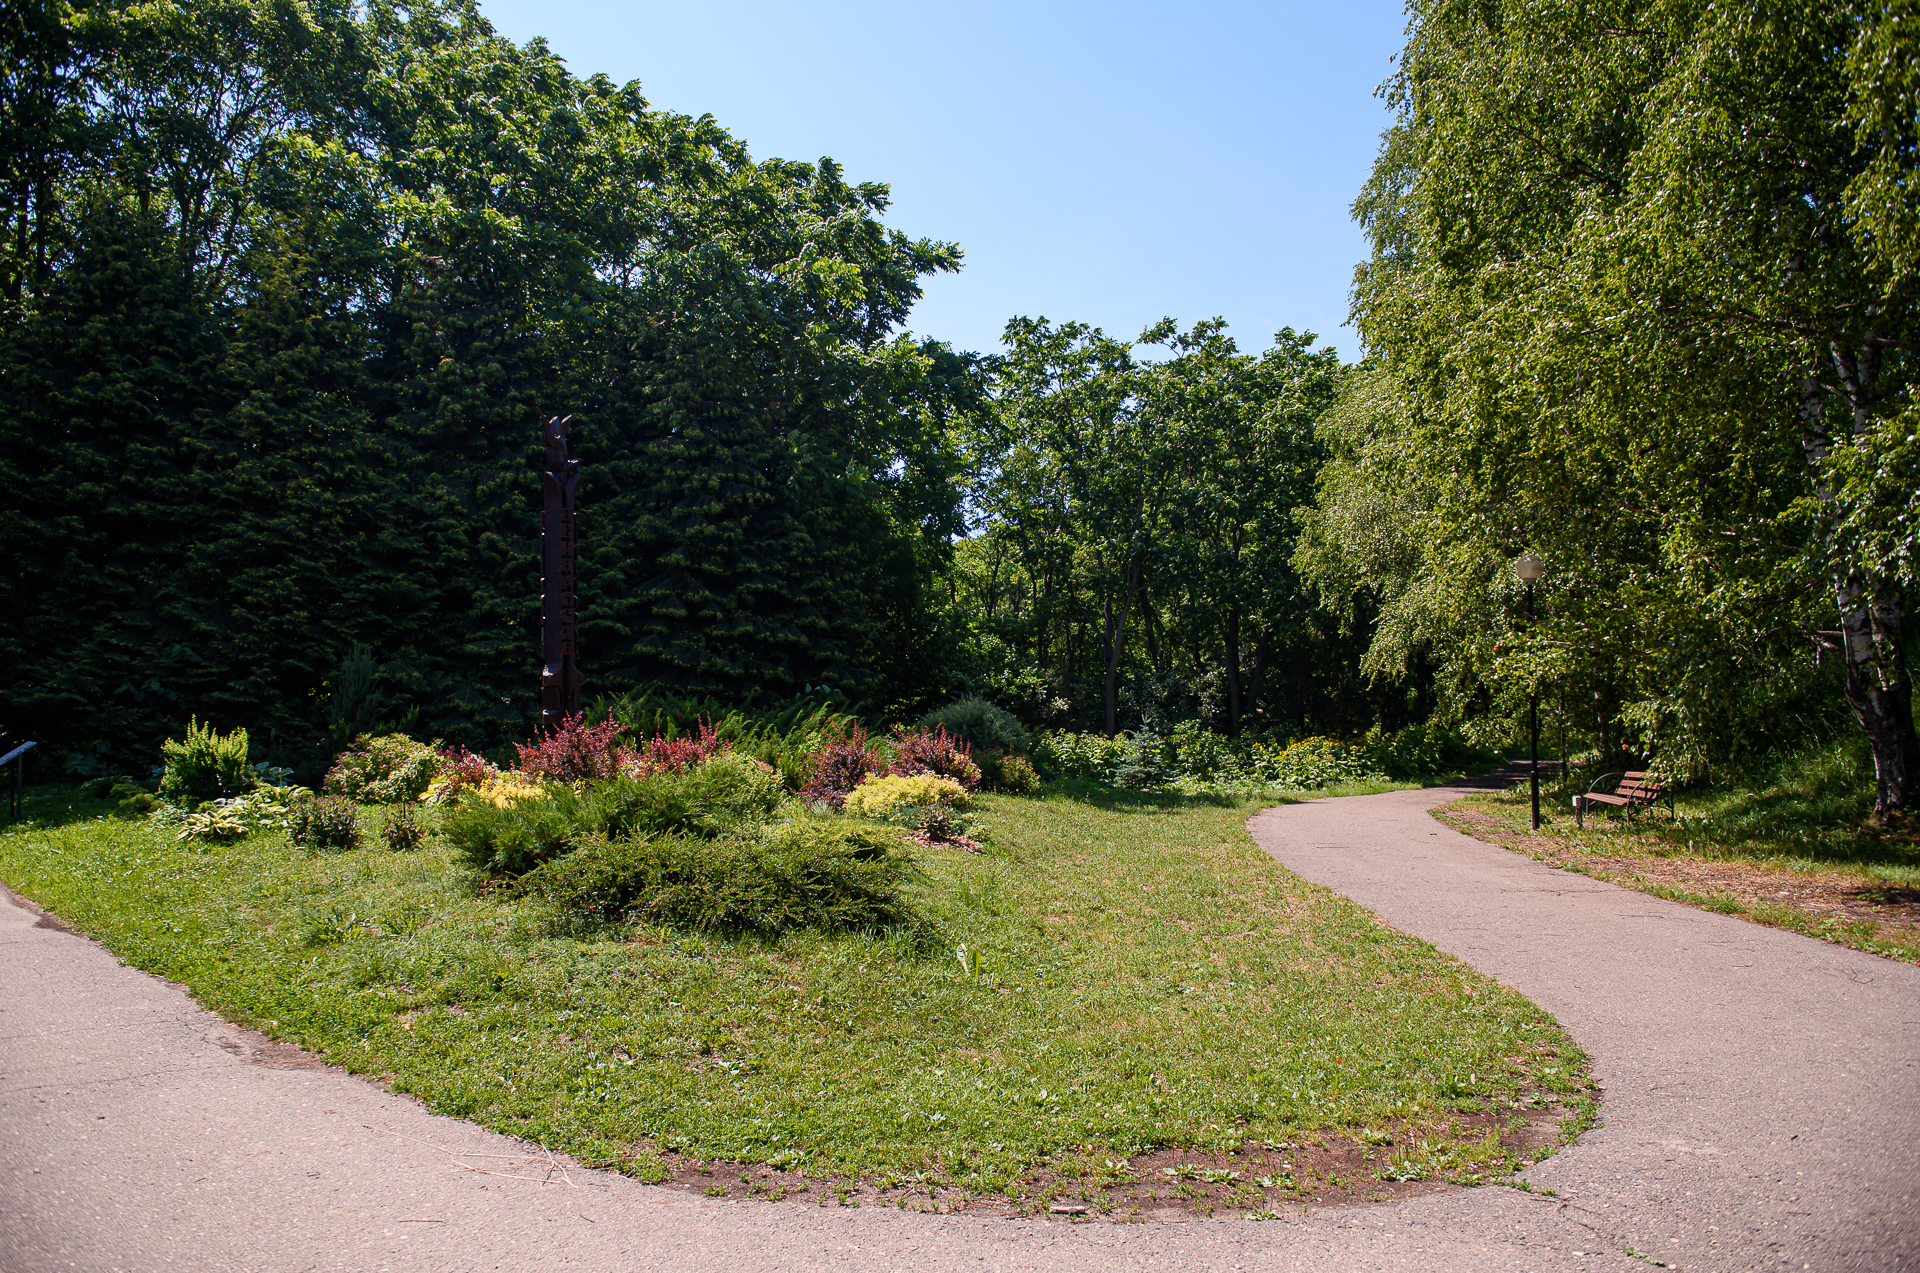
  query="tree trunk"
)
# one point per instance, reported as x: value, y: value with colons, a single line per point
x: 1880, y: 691
x: 1233, y: 672
x: 1148, y: 627
x: 1257, y: 687
x: 1878, y: 686
x: 1116, y: 638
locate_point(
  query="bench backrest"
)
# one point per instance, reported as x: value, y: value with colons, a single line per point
x: 1638, y: 787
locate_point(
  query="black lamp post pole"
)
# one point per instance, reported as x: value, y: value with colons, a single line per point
x: 560, y: 677
x: 1533, y: 725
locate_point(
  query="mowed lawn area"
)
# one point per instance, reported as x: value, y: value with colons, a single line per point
x: 1113, y: 975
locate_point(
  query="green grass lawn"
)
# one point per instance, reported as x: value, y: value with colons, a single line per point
x: 1115, y: 974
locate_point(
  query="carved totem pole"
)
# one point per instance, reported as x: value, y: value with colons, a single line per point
x: 560, y: 678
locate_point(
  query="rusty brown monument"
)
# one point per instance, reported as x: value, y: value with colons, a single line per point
x: 560, y: 677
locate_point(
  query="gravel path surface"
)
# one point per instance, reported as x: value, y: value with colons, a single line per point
x: 1762, y: 1113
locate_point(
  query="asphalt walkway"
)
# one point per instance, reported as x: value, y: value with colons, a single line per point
x: 1762, y: 1089
x: 1763, y: 1112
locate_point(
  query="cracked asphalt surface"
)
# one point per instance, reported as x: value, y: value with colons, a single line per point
x: 1762, y: 1112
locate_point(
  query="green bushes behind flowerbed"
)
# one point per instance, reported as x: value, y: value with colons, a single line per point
x: 1191, y: 758
x: 508, y: 834
x: 806, y: 874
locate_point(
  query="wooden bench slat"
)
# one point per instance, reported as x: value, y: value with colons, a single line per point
x: 1635, y: 789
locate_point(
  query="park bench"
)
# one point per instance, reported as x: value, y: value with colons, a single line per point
x: 1636, y: 789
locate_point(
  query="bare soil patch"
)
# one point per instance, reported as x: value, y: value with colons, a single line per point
x: 1263, y: 1180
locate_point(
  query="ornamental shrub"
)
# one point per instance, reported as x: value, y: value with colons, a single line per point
x: 879, y: 797
x: 806, y: 874
x: 1424, y: 749
x: 1144, y: 767
x: 460, y: 771
x: 1090, y: 756
x: 1317, y: 762
x: 839, y: 766
x: 574, y: 751
x: 403, y: 832
x: 934, y: 751
x: 724, y: 795
x: 390, y: 769
x: 980, y: 724
x: 330, y: 822
x: 939, y: 822
x: 502, y: 831
x: 205, y: 766
x: 1014, y: 775
x: 676, y: 755
x: 513, y: 834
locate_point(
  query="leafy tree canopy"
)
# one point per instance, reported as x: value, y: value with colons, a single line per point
x: 1642, y: 302
x: 288, y: 288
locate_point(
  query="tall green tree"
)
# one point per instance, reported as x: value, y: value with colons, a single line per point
x: 1629, y: 317
x: 1242, y: 429
x: 288, y: 312
x: 1136, y: 506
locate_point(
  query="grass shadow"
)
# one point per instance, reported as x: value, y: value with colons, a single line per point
x: 48, y: 806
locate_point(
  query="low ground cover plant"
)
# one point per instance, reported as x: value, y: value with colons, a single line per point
x: 1115, y: 976
x: 508, y: 828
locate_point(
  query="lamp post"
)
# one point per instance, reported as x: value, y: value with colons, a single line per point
x: 1529, y: 569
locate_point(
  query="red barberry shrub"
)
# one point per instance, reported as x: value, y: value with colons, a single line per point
x: 573, y: 751
x: 675, y: 755
x: 934, y: 751
x: 838, y: 767
x: 462, y: 769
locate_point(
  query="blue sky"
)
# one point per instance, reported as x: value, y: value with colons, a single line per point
x: 1111, y: 163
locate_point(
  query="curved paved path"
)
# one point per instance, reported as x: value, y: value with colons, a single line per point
x: 1762, y: 1089
x: 1761, y: 1114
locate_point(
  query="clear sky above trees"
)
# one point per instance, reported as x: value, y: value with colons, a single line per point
x: 1110, y: 163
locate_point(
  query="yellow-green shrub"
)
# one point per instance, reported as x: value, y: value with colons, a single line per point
x: 879, y: 797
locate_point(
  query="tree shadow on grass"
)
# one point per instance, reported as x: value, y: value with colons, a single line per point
x: 47, y: 806
x: 1122, y: 799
